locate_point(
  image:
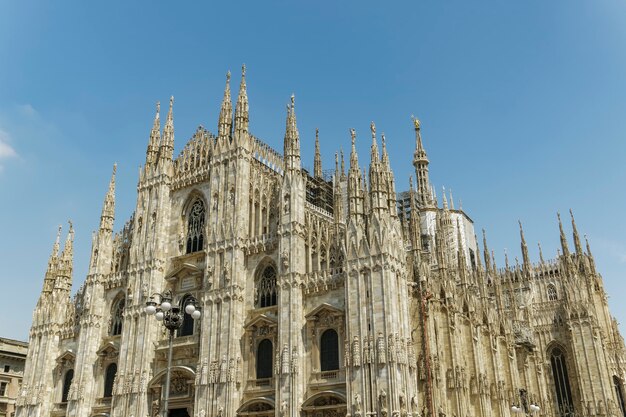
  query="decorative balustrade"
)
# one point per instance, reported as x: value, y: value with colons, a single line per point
x: 323, y: 377
x: 260, y: 384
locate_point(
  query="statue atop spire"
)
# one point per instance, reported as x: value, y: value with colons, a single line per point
x: 225, y: 122
x: 317, y: 163
x: 241, y: 112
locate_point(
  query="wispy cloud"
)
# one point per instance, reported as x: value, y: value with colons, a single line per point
x: 6, y: 150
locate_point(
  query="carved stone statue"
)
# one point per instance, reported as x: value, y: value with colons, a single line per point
x: 382, y: 400
x: 356, y: 351
x: 285, y: 359
x: 223, y: 369
x: 380, y: 348
x: 283, y: 408
x: 366, y: 351
x: 357, y: 402
x: 294, y: 360
x: 392, y: 349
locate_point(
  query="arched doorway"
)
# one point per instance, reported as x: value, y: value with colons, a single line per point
x: 325, y: 404
x: 257, y: 407
x: 182, y: 390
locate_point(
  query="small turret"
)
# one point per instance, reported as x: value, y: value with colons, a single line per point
x: 225, y: 122
x: 241, y: 112
x: 317, y: 163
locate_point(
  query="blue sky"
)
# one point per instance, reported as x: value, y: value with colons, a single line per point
x: 523, y: 109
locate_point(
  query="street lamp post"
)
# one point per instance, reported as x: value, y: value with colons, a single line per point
x: 172, y: 318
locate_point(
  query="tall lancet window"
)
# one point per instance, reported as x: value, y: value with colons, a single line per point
x: 619, y: 392
x: 329, y: 350
x: 265, y: 291
x: 117, y: 317
x: 109, y: 380
x: 264, y: 356
x: 562, y: 387
x: 67, y: 383
x: 195, y: 227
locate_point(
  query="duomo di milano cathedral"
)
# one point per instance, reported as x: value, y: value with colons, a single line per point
x: 321, y: 295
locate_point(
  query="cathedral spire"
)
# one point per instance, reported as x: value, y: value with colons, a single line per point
x: 445, y: 199
x: 49, y: 278
x: 343, y: 165
x: 540, y: 253
x: 241, y: 112
x: 375, y: 156
x: 317, y: 163
x: 292, y: 138
x: 385, y: 155
x: 166, y: 150
x: 155, y: 138
x: 420, y: 162
x: 354, y: 157
x: 225, y: 123
x: 486, y: 252
x: 356, y: 201
x: 563, y: 238
x: 577, y: 245
x: 108, y: 208
x: 68, y: 248
x: 525, y: 257
x: 462, y: 263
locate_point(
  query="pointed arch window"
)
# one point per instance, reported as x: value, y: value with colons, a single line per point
x: 552, y: 294
x: 265, y: 291
x: 109, y: 379
x: 187, y: 327
x: 619, y: 392
x: 117, y: 317
x: 195, y: 227
x: 264, y: 357
x: 562, y: 387
x: 67, y: 383
x: 329, y: 350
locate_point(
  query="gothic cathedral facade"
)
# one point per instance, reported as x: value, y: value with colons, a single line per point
x: 323, y: 294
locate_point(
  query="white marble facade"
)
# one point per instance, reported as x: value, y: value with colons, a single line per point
x: 320, y: 296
